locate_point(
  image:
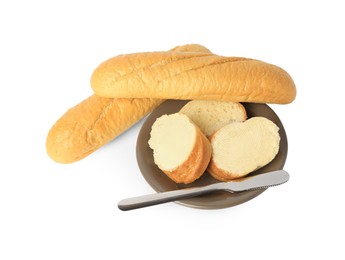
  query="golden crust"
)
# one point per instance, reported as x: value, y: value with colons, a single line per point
x: 196, y: 164
x: 191, y: 48
x: 192, y: 75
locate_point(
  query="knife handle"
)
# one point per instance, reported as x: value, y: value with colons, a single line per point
x: 164, y: 197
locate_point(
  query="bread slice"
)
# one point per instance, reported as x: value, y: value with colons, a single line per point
x: 180, y: 149
x: 210, y: 116
x: 240, y: 148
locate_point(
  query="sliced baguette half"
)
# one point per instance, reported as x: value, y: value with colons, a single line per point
x: 179, y: 147
x: 241, y: 148
x: 210, y: 116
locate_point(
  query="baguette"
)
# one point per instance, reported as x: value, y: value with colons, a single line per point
x: 96, y: 121
x: 192, y: 75
x: 179, y: 147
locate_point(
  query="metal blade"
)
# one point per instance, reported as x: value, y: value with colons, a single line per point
x: 259, y: 181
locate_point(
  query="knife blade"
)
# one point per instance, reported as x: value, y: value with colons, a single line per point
x: 259, y: 181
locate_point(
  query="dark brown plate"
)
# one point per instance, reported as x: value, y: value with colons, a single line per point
x: 222, y: 199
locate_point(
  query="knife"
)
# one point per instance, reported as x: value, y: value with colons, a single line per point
x: 260, y: 181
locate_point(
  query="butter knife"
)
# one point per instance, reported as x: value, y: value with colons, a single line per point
x: 259, y: 181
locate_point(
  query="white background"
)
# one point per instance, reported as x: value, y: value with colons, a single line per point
x: 48, y: 51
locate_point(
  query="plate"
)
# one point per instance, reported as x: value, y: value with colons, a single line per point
x: 216, y: 200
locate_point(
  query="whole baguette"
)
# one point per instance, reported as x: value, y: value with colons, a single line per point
x: 96, y: 121
x: 192, y: 75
